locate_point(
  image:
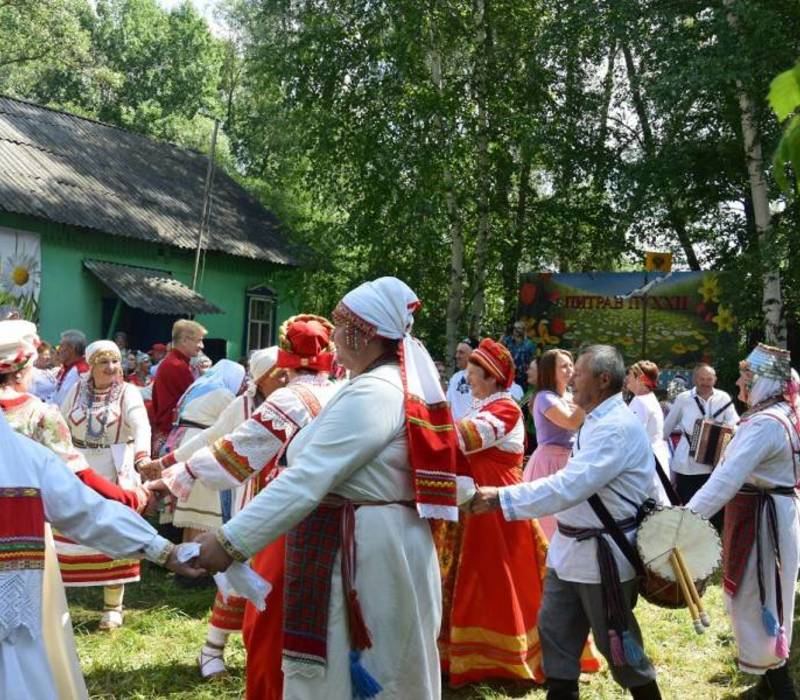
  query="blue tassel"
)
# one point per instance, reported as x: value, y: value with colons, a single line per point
x: 633, y: 652
x: 770, y: 623
x: 364, y: 685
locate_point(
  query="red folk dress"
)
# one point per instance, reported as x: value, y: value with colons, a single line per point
x: 493, y: 570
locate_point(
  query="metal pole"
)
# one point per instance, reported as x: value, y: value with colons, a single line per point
x: 206, y: 204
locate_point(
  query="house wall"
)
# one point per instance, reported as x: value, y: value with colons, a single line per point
x: 72, y: 297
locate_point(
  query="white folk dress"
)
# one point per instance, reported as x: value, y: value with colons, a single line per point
x: 111, y: 430
x: 759, y: 454
x: 202, y: 510
x: 35, y: 486
x: 357, y: 448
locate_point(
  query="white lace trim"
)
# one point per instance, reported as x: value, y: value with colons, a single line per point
x: 478, y: 404
x: 20, y: 604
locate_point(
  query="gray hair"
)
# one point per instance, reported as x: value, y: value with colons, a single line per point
x: 76, y: 339
x: 606, y: 358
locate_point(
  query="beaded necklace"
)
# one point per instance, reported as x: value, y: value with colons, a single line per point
x: 97, y: 406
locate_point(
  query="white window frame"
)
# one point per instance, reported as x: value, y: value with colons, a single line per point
x: 260, y: 294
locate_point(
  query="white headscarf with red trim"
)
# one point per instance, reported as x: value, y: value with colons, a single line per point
x: 388, y: 305
x: 18, y: 345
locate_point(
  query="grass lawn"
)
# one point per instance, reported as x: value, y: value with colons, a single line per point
x: 153, y: 655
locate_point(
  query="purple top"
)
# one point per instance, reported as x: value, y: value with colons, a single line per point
x: 547, y: 432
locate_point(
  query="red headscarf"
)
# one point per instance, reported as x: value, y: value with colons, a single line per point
x: 305, y: 343
x: 496, y: 359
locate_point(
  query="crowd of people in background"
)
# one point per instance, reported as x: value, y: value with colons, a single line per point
x: 517, y: 438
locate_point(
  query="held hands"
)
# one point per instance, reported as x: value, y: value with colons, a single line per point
x: 190, y: 569
x: 150, y: 470
x: 213, y: 558
x: 486, y: 500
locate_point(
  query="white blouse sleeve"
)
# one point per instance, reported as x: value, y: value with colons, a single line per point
x: 136, y: 422
x: 240, y: 455
x: 92, y: 520
x: 351, y: 431
x: 230, y: 418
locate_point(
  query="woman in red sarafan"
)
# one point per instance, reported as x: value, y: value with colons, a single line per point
x: 493, y: 570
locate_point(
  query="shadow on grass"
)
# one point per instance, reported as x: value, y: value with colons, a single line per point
x: 492, y: 689
x: 178, y: 679
x: 156, y: 588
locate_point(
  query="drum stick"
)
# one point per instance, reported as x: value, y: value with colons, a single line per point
x: 692, y: 588
x: 687, y: 596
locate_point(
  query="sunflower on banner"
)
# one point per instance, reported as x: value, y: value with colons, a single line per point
x: 20, y: 273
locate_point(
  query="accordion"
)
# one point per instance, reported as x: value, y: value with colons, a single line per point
x: 709, y: 440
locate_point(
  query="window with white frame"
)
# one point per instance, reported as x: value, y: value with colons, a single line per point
x: 261, y: 305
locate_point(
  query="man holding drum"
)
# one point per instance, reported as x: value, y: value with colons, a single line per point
x: 755, y: 483
x: 590, y: 584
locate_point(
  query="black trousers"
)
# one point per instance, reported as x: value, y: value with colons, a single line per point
x: 687, y: 485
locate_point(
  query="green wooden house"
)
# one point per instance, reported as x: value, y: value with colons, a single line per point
x: 99, y: 232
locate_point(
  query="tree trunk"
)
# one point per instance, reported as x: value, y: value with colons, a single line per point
x: 772, y: 297
x: 455, y: 298
x: 482, y: 164
x: 510, y: 262
x: 674, y: 214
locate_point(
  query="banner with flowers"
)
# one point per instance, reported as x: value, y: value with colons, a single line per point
x: 20, y: 272
x: 675, y: 319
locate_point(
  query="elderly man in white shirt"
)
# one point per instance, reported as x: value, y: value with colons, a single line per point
x: 612, y: 458
x: 702, y: 402
x: 459, y: 393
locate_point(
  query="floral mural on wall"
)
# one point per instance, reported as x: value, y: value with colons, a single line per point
x: 20, y: 273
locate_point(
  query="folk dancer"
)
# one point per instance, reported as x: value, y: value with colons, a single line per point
x: 492, y: 570
x: 35, y: 488
x: 227, y: 616
x: 702, y: 402
x: 43, y: 423
x: 362, y: 479
x: 248, y: 455
x: 589, y: 583
x: 755, y: 482
x: 198, y: 409
x: 108, y: 424
x: 641, y: 381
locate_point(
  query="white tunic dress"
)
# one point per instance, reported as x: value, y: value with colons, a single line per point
x: 30, y: 475
x: 203, y: 509
x: 111, y: 431
x: 760, y: 454
x: 357, y: 448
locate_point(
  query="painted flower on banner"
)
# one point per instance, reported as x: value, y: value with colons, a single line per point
x: 710, y: 290
x: 724, y: 319
x: 20, y: 274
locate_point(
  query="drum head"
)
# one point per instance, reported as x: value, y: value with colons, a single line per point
x: 669, y: 527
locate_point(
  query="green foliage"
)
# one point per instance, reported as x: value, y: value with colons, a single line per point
x: 572, y: 134
x: 784, y: 98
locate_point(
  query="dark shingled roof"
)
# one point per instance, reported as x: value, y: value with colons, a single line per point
x: 154, y: 291
x: 72, y: 170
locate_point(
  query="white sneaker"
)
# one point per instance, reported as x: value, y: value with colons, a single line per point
x: 211, y: 662
x: 111, y: 619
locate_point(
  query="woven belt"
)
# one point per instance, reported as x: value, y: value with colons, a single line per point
x: 587, y: 533
x: 750, y: 490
